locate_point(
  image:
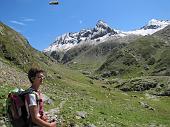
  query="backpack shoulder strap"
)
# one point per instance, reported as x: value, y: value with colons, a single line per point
x: 28, y: 91
x: 25, y: 93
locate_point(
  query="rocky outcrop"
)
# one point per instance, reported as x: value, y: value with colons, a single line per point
x: 137, y: 85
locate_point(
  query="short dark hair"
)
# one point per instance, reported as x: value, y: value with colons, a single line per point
x: 32, y: 73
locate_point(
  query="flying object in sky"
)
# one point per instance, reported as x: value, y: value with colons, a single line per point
x: 53, y: 2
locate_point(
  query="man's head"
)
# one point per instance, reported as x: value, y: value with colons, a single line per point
x: 35, y: 73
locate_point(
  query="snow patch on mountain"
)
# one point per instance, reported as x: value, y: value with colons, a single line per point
x: 60, y: 47
x: 152, y: 27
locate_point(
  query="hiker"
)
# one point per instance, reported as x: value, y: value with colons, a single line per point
x: 35, y: 102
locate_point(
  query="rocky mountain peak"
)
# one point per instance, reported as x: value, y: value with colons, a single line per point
x: 101, y: 24
x: 103, y: 28
x: 69, y: 40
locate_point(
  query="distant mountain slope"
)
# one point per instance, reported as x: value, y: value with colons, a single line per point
x: 148, y: 55
x: 163, y: 34
x: 90, y: 57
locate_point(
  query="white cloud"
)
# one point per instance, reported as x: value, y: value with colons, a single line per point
x: 18, y: 23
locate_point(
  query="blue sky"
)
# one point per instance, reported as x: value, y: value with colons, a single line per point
x: 41, y: 23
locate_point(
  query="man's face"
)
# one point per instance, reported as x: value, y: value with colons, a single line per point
x: 39, y: 78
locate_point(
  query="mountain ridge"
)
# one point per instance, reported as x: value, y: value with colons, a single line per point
x: 100, y: 33
x: 69, y: 40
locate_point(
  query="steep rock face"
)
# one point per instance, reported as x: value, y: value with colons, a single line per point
x: 101, y: 30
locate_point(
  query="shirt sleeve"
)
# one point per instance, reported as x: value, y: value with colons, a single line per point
x: 32, y: 100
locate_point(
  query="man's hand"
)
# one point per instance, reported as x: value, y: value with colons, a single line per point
x: 53, y: 124
x: 44, y: 117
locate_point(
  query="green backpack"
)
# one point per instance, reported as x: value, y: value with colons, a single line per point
x: 16, y: 108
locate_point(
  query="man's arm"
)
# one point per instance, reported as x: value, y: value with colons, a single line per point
x: 37, y: 120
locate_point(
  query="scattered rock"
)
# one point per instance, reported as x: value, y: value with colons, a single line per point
x: 59, y: 76
x: 81, y: 114
x: 89, y: 125
x: 149, y: 96
x: 2, y: 122
x: 145, y: 105
x: 47, y: 100
x: 86, y: 72
x: 53, y: 114
x: 165, y: 93
x: 146, y: 67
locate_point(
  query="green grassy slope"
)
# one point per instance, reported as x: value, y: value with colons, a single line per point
x: 93, y: 57
x: 145, y: 56
x: 16, y: 49
x: 104, y: 106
